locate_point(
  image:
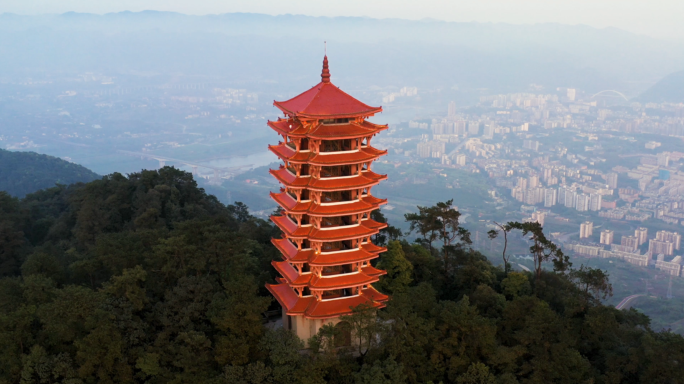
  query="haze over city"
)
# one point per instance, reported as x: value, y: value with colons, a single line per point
x: 411, y: 191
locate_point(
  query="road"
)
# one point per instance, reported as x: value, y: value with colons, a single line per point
x: 626, y: 301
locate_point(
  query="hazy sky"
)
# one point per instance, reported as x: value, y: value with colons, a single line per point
x: 661, y: 18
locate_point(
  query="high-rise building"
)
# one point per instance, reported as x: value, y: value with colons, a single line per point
x: 657, y: 246
x: 612, y: 180
x: 531, y: 144
x: 473, y: 127
x: 461, y: 159
x: 325, y: 222
x: 663, y: 159
x: 595, y: 202
x: 550, y: 197
x: 672, y: 237
x: 607, y: 237
x: 641, y: 233
x: 522, y: 183
x: 586, y: 229
x: 630, y: 241
x: 582, y: 202
x: 533, y: 181
x: 570, y: 198
x: 488, y: 131
x: 452, y: 109
x: 539, y: 217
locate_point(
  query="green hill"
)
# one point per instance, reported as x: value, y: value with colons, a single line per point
x: 22, y: 173
x: 669, y: 89
x: 145, y: 278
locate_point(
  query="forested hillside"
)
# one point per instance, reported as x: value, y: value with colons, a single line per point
x: 22, y: 173
x: 148, y: 279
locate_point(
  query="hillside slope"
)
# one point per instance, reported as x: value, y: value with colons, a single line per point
x: 22, y: 173
x: 669, y: 89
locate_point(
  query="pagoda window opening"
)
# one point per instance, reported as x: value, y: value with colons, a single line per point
x: 305, y: 220
x: 336, y: 196
x: 306, y: 292
x: 335, y: 121
x: 306, y: 244
x: 336, y: 145
x: 304, y: 145
x: 306, y: 268
x: 333, y: 294
x: 304, y: 171
x: 333, y: 246
x: 337, y: 270
x: 327, y: 222
x: 336, y: 171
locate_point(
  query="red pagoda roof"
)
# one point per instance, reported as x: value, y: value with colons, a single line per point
x: 361, y: 155
x: 290, y: 205
x: 366, y: 179
x: 324, y: 309
x: 290, y: 252
x: 367, y: 227
x: 326, y: 131
x: 367, y: 275
x: 325, y: 100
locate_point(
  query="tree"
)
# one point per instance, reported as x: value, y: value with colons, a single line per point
x: 542, y: 249
x: 398, y: 268
x: 493, y: 235
x: 389, y: 233
x: 440, y: 221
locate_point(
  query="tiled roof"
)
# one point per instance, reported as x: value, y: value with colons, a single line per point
x: 311, y: 308
x: 362, y: 155
x: 290, y: 205
x: 322, y: 131
x: 365, y: 179
x: 325, y: 100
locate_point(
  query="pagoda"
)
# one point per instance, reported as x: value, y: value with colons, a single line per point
x: 326, y: 206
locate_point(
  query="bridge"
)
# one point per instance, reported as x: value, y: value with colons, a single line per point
x: 609, y: 91
x: 219, y: 172
x: 627, y: 300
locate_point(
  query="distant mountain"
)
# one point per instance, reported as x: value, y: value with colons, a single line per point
x: 669, y: 89
x: 384, y: 52
x: 22, y: 173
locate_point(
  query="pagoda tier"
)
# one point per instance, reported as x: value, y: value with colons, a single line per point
x: 363, y: 179
x: 292, y: 230
x: 344, y: 130
x: 358, y: 156
x: 292, y: 254
x: 326, y: 204
x: 291, y: 206
x: 312, y: 308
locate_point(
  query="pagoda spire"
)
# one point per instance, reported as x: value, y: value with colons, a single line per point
x: 325, y: 75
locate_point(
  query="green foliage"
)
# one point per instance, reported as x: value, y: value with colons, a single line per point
x: 398, y: 268
x: 146, y: 279
x: 22, y: 173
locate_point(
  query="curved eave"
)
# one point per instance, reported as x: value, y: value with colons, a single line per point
x: 290, y: 251
x: 327, y: 259
x: 311, y: 308
x: 291, y: 206
x: 347, y: 280
x: 291, y: 275
x: 326, y: 309
x: 366, y: 228
x: 364, y: 180
x: 326, y: 159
